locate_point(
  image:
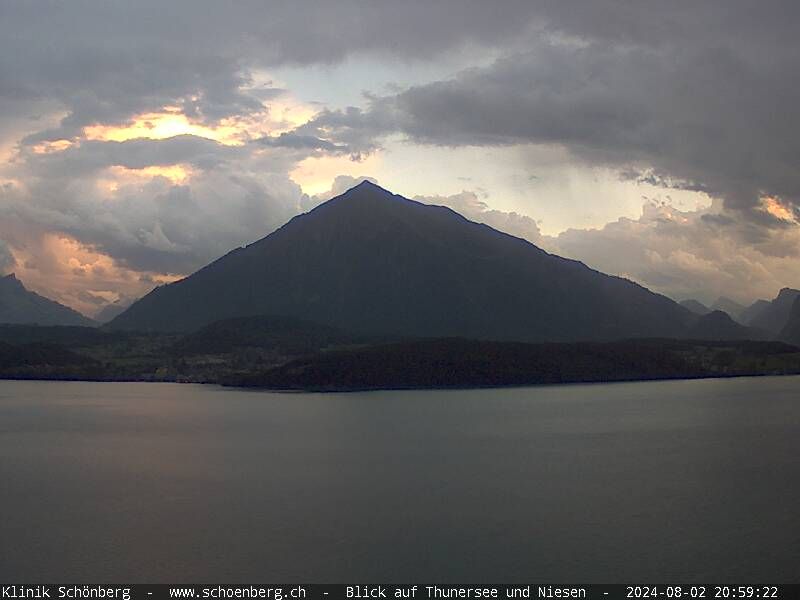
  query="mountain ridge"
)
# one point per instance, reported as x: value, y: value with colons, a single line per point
x: 18, y: 305
x: 726, y: 305
x: 374, y: 262
x: 791, y: 330
x: 695, y: 306
x: 774, y: 316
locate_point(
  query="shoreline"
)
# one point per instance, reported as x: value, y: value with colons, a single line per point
x: 352, y: 390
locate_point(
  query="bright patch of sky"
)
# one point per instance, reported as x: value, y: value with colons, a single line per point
x: 543, y: 182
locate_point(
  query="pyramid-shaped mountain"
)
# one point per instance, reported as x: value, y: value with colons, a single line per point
x: 21, y: 306
x: 369, y: 261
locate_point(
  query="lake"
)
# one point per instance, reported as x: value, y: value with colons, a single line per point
x: 679, y: 481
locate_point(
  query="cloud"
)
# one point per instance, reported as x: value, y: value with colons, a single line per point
x: 155, y: 225
x: 691, y: 106
x: 699, y: 254
x: 103, y: 62
x: 7, y: 260
x: 471, y: 206
x: 704, y: 253
x: 65, y: 270
x: 103, y: 195
x: 168, y: 206
x: 88, y: 157
x: 293, y: 140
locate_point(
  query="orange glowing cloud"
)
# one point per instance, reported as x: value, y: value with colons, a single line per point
x: 50, y: 147
x: 79, y: 276
x: 163, y: 125
x: 279, y: 117
x: 776, y: 208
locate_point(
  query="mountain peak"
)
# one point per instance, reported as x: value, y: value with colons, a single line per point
x: 364, y: 205
x: 365, y: 189
x: 718, y: 325
x: 367, y: 184
x: 725, y: 304
x: 695, y: 306
x: 19, y: 305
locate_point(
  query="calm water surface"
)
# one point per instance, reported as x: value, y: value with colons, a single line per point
x: 687, y: 481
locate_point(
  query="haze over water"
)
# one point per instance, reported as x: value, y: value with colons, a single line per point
x: 681, y: 481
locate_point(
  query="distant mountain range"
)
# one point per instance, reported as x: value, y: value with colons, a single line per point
x: 19, y: 305
x: 726, y: 305
x: 371, y: 262
x: 747, y: 316
x: 695, y: 306
x: 718, y: 325
x: 765, y: 318
x: 111, y: 310
x: 730, y: 307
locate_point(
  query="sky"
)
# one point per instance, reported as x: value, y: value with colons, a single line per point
x: 658, y: 141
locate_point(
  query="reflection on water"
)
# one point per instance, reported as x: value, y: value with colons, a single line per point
x: 682, y: 481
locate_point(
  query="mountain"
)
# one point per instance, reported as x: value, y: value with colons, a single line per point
x: 773, y: 318
x: 791, y: 330
x: 109, y: 311
x: 733, y: 308
x: 718, y: 325
x: 695, y: 306
x: 751, y: 312
x: 18, y: 305
x: 371, y: 262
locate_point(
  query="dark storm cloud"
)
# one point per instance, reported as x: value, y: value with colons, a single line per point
x: 358, y: 131
x: 662, y: 180
x: 305, y: 142
x: 103, y: 61
x: 654, y: 23
x: 91, y: 156
x: 702, y: 94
